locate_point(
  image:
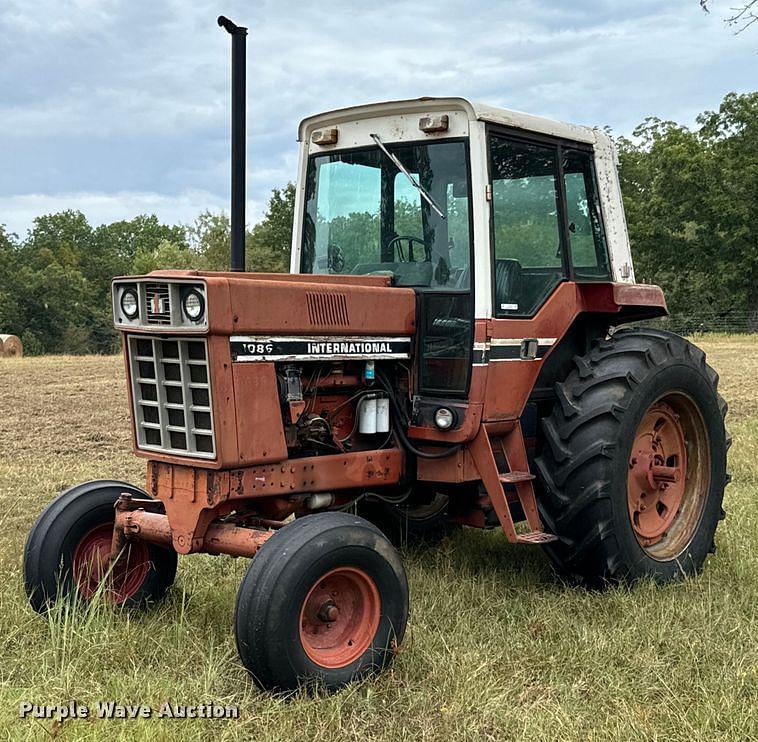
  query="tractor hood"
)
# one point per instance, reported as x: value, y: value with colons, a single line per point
x: 284, y: 304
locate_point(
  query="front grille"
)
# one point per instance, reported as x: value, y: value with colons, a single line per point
x: 158, y: 301
x: 172, y: 395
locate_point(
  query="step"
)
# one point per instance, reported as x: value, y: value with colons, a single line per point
x: 535, y: 537
x: 514, y: 477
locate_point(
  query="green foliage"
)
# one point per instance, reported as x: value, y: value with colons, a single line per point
x: 55, y: 283
x: 268, y: 243
x: 691, y: 200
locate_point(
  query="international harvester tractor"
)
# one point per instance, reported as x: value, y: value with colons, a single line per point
x: 450, y: 349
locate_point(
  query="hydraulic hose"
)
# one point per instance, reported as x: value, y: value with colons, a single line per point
x: 403, y: 421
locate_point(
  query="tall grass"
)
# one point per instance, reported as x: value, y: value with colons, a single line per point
x: 497, y: 648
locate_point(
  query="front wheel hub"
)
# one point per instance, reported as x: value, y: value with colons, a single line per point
x: 340, y: 617
x: 92, y: 566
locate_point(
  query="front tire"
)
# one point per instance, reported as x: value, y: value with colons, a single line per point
x: 67, y: 552
x: 324, y: 602
x: 633, y: 463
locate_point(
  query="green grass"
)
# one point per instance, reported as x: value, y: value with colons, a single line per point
x: 496, y: 648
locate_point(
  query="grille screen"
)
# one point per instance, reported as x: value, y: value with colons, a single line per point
x: 158, y: 300
x: 172, y: 395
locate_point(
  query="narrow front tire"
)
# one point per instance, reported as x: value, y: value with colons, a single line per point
x: 67, y: 552
x: 324, y: 602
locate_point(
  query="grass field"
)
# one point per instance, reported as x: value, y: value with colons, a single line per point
x: 496, y: 649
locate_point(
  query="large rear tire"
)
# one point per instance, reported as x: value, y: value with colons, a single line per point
x: 633, y: 463
x: 324, y: 602
x: 67, y: 552
x: 422, y: 520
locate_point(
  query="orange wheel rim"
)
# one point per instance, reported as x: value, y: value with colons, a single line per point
x: 91, y: 565
x: 340, y: 617
x: 669, y: 475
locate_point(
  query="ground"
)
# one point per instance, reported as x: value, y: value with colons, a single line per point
x: 497, y: 647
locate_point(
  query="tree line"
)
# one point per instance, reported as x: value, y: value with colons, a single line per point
x: 690, y: 194
x: 55, y: 283
x: 691, y: 201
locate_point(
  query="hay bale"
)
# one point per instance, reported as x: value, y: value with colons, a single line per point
x: 10, y: 347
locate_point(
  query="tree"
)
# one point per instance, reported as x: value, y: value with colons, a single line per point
x: 743, y: 15
x: 210, y: 237
x: 691, y: 199
x: 10, y: 312
x: 268, y: 243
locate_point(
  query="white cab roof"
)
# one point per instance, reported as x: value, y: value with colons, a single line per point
x: 474, y: 112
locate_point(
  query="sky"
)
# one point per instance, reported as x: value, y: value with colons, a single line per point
x: 121, y: 107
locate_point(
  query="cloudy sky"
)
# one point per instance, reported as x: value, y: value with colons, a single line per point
x: 120, y: 107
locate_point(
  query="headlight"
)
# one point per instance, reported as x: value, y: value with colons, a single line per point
x: 444, y: 418
x: 193, y: 305
x: 129, y: 303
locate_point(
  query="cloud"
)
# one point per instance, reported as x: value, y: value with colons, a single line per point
x: 119, y: 104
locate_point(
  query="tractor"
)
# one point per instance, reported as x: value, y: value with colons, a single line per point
x: 452, y: 349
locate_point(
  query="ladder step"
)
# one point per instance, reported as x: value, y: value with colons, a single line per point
x: 535, y: 537
x: 514, y: 477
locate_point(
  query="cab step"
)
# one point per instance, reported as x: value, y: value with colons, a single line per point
x: 511, y: 442
x: 535, y: 537
x: 514, y: 477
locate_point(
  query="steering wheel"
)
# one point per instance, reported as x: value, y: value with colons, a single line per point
x: 335, y: 258
x: 410, y: 239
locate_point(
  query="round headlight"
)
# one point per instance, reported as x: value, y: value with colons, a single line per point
x: 194, y: 305
x: 444, y: 418
x: 129, y: 303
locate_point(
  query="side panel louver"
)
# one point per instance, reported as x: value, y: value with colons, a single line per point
x: 327, y: 309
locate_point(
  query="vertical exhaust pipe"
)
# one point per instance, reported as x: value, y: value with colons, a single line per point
x: 238, y: 34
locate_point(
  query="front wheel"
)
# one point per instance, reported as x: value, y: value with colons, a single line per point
x: 324, y: 602
x: 67, y: 552
x: 633, y: 464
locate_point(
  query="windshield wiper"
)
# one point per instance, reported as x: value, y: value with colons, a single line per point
x: 399, y: 165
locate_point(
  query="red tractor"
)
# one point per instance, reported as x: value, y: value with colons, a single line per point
x: 450, y: 349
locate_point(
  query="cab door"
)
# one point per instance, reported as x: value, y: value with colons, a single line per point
x: 546, y: 234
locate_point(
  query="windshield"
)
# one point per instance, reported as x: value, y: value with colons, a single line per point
x: 363, y: 216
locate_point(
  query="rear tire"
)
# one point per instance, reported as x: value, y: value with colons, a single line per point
x: 324, y: 602
x: 66, y: 552
x: 633, y: 461
x: 422, y: 522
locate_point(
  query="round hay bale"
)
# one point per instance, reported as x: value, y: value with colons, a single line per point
x: 11, y: 347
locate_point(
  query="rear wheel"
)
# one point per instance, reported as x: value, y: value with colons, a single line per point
x: 633, y: 465
x: 422, y: 519
x: 67, y: 552
x: 324, y: 602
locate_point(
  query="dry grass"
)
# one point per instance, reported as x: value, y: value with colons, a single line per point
x: 497, y: 648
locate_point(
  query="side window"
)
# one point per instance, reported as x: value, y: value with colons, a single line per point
x: 526, y: 222
x: 589, y: 254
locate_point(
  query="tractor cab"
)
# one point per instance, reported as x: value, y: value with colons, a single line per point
x: 483, y: 212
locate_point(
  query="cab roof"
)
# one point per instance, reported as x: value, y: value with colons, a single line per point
x: 474, y: 111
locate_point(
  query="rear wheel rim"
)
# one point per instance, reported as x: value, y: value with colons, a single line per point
x: 91, y: 565
x: 340, y: 617
x: 669, y: 476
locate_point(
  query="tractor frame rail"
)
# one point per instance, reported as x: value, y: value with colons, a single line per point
x: 138, y: 518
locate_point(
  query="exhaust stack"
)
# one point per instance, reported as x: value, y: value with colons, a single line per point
x: 238, y: 34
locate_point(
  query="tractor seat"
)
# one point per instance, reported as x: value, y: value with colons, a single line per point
x: 508, y: 284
